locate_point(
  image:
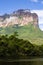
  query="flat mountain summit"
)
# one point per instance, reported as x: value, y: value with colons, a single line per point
x: 20, y: 17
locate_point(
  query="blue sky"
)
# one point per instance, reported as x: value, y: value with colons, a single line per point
x: 8, y: 6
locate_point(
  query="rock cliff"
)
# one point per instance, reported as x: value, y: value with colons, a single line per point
x: 20, y: 17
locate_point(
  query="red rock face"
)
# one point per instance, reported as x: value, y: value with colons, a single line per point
x: 35, y: 18
x: 21, y: 17
x: 28, y: 16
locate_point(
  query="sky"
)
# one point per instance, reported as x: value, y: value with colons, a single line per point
x: 8, y: 6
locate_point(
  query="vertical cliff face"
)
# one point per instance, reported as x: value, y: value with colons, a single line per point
x: 21, y: 17
x: 35, y: 19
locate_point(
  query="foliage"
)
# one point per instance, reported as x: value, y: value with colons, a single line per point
x: 14, y: 47
x: 27, y: 32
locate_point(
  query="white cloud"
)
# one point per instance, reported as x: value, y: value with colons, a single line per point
x: 34, y: 0
x: 40, y: 15
x: 41, y: 26
x: 39, y: 12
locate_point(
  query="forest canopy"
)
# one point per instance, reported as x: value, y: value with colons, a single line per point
x: 13, y: 47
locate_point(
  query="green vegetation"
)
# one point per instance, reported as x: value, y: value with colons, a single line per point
x: 13, y: 47
x: 27, y: 32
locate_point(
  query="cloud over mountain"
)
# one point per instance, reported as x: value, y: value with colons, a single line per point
x: 40, y: 15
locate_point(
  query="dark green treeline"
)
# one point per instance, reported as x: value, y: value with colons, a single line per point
x: 13, y: 47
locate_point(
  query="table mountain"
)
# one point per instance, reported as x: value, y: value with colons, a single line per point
x: 20, y: 17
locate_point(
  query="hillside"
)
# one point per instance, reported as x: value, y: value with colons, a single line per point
x: 27, y: 32
x: 24, y: 23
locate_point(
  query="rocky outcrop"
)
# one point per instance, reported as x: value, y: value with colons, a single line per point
x: 20, y: 17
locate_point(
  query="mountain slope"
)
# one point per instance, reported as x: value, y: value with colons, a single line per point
x: 25, y: 23
x: 27, y: 32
